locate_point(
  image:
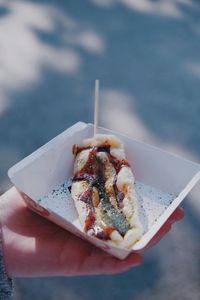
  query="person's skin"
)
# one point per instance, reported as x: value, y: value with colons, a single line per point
x: 33, y: 246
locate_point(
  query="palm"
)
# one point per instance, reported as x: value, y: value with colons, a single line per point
x: 36, y: 247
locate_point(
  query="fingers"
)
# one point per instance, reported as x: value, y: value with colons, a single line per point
x: 93, y: 261
x: 177, y: 215
x: 103, y: 263
x: 114, y: 265
x: 159, y: 235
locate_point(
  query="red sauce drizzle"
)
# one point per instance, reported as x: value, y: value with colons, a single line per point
x: 117, y: 163
x: 108, y: 230
x: 89, y: 173
x: 105, y: 234
x: 90, y: 169
x: 87, y: 196
x: 90, y: 220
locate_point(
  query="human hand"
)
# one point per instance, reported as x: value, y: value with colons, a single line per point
x: 177, y: 215
x: 33, y: 246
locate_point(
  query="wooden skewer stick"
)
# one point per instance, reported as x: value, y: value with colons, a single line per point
x: 96, y: 105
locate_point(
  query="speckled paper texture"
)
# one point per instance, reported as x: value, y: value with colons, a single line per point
x: 151, y: 203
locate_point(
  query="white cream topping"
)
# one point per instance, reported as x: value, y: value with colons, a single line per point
x: 103, y: 139
x: 125, y: 178
x: 81, y: 160
x: 118, y: 153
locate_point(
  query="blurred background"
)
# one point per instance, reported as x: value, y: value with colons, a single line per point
x: 146, y: 54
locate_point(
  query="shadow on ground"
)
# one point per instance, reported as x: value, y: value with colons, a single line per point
x: 147, y: 57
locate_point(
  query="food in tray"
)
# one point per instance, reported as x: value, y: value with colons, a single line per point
x: 103, y: 191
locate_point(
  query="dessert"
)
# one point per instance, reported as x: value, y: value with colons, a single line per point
x: 103, y: 191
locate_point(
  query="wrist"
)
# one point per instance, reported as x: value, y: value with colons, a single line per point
x: 6, y: 283
x: 3, y: 245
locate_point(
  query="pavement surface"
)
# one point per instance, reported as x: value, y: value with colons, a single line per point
x: 147, y: 56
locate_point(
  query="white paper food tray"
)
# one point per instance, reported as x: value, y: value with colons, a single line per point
x: 162, y: 182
